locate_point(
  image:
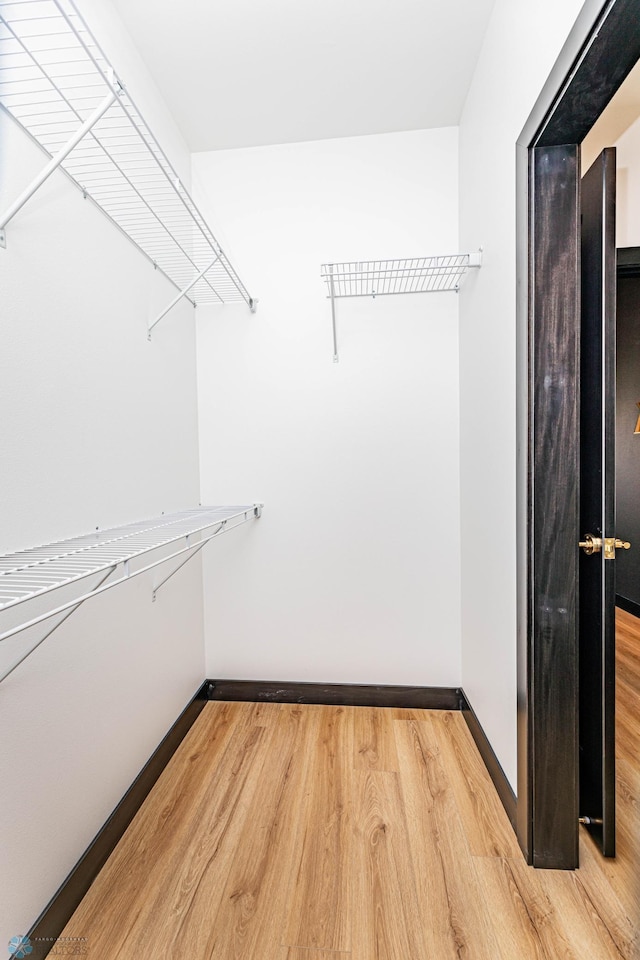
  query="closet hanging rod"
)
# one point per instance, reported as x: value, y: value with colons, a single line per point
x: 54, y: 80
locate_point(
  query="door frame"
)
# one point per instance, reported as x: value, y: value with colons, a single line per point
x: 601, y: 50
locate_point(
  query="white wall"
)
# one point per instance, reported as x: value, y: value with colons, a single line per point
x: 620, y: 115
x: 628, y: 186
x: 521, y: 45
x: 352, y: 574
x: 98, y: 427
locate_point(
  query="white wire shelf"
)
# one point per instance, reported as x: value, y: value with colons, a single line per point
x: 380, y: 278
x: 54, y: 81
x: 113, y: 553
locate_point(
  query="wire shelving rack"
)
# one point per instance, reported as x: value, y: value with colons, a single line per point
x: 379, y: 278
x: 57, y: 83
x: 113, y: 556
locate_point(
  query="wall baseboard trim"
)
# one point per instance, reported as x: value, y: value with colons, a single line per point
x: 629, y: 605
x: 64, y: 903
x: 491, y: 762
x: 337, y: 694
x: 61, y: 908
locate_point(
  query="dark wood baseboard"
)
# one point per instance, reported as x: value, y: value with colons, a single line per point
x: 54, y: 918
x: 63, y: 905
x: 628, y: 261
x: 491, y: 762
x: 336, y: 694
x: 629, y: 605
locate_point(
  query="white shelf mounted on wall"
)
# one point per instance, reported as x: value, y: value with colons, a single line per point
x: 56, y: 82
x: 110, y: 557
x: 380, y: 278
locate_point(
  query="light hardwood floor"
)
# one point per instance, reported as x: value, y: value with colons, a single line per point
x: 614, y: 884
x: 339, y: 833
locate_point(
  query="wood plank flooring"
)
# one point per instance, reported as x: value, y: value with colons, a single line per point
x: 283, y: 832
x: 614, y: 884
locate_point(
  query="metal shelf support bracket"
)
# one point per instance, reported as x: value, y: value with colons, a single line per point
x: 332, y: 290
x: 65, y: 616
x: 56, y: 160
x: 193, y: 549
x: 182, y: 294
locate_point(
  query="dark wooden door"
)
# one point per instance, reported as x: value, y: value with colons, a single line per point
x: 597, y: 589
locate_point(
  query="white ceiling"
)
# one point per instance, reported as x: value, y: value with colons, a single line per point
x: 248, y: 72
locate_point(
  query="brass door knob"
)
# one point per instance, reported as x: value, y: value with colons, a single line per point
x: 591, y: 544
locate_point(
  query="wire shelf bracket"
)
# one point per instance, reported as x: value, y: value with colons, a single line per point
x: 55, y: 161
x: 182, y: 294
x: 56, y: 82
x: 39, y: 571
x: 379, y: 278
